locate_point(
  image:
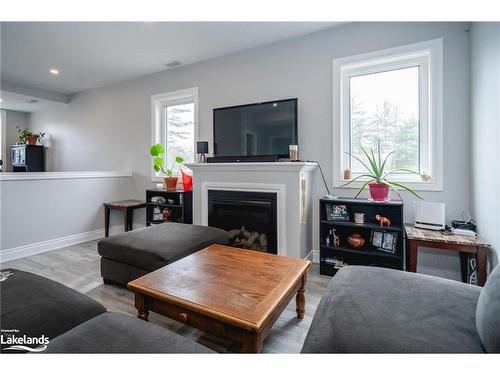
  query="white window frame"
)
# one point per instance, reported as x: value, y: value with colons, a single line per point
x: 158, y: 118
x: 3, y: 140
x: 429, y: 57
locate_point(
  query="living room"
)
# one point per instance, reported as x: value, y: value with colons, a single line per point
x: 298, y: 170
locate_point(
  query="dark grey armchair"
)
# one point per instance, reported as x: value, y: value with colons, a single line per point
x: 377, y: 310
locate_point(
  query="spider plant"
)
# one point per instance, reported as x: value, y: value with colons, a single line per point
x: 376, y: 172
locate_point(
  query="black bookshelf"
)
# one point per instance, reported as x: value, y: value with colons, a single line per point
x: 390, y: 254
x: 178, y: 202
x: 27, y: 158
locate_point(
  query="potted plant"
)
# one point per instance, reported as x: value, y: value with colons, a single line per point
x: 28, y: 137
x: 156, y: 152
x: 377, y: 177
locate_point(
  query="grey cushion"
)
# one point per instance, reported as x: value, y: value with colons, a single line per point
x: 488, y: 313
x: 377, y: 310
x: 38, y: 306
x: 156, y: 246
x: 119, y: 333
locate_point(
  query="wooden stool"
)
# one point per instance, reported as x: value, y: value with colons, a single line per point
x: 127, y: 207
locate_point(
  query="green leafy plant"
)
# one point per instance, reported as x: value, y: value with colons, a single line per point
x: 377, y: 173
x: 24, y: 134
x: 157, y: 152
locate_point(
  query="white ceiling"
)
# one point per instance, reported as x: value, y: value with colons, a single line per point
x: 94, y: 54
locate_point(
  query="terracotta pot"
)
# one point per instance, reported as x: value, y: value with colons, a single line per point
x: 356, y: 240
x: 171, y: 182
x: 379, y: 192
x: 31, y: 140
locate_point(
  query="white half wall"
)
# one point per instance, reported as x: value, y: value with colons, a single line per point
x: 37, y: 215
x: 485, y: 132
x: 109, y: 128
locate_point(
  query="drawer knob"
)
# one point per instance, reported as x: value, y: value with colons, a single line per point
x: 183, y: 317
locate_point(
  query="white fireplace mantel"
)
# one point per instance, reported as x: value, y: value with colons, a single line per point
x: 254, y: 167
x: 291, y: 181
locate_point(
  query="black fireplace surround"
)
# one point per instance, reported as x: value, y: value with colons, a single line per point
x: 249, y: 217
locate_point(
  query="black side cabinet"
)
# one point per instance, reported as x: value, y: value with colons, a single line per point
x: 163, y: 206
x: 384, y: 246
x: 27, y: 158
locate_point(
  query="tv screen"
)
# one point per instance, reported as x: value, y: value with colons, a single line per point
x: 256, y: 129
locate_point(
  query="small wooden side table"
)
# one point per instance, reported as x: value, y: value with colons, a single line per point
x: 464, y: 245
x: 127, y: 207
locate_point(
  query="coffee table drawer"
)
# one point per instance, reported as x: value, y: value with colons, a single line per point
x: 188, y: 317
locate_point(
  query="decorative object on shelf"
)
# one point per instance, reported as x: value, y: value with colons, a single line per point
x: 389, y: 242
x: 166, y: 214
x: 157, y: 151
x: 347, y: 174
x: 337, y: 212
x: 377, y: 238
x: 294, y: 152
x: 202, y: 150
x: 356, y: 240
x: 158, y: 199
x: 328, y: 241
x: 160, y: 186
x: 171, y: 201
x: 377, y: 177
x: 359, y: 217
x: 187, y: 179
x: 28, y: 137
x: 336, y: 239
x: 383, y: 220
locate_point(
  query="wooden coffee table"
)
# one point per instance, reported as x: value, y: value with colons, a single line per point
x: 229, y: 292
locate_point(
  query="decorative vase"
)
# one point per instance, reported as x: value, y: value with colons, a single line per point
x: 356, y: 240
x: 171, y: 183
x: 31, y: 140
x: 379, y: 192
x: 187, y: 181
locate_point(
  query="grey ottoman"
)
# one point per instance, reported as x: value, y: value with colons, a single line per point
x: 130, y: 255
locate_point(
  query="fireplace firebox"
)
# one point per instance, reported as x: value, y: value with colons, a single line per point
x: 249, y: 217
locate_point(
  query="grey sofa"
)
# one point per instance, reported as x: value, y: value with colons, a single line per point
x: 130, y: 255
x: 34, y: 306
x: 377, y: 310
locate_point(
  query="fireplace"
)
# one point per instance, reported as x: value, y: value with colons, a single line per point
x: 249, y: 217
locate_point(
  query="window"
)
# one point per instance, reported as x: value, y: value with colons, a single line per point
x: 392, y: 98
x: 174, y: 125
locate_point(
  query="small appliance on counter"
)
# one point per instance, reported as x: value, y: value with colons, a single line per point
x: 429, y: 215
x: 464, y: 227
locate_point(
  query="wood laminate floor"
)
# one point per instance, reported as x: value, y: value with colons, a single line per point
x: 78, y: 268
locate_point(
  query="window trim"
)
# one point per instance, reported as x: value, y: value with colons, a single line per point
x: 390, y: 59
x: 158, y: 134
x: 3, y: 140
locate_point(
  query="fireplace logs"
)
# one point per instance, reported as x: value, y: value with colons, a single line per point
x: 248, y: 240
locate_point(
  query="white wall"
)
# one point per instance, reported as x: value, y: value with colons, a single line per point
x: 109, y: 128
x: 35, y: 211
x: 485, y: 132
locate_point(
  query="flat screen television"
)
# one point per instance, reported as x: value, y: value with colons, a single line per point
x: 259, y: 129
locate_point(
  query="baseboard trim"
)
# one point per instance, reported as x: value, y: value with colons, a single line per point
x: 313, y: 256
x: 57, y: 243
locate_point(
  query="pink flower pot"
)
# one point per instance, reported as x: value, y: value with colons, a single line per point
x: 379, y: 192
